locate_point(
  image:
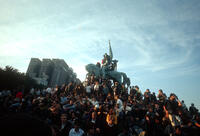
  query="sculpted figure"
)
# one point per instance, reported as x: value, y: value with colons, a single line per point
x: 108, y: 70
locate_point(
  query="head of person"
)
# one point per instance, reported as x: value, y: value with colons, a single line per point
x: 71, y: 102
x: 160, y: 91
x: 76, y: 125
x: 116, y: 83
x: 157, y: 106
x: 105, y: 55
x: 172, y: 97
x: 116, y: 97
x: 63, y: 118
x: 136, y: 87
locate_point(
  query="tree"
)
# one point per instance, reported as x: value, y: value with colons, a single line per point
x: 11, y: 78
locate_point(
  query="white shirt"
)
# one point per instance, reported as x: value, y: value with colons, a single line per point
x: 32, y: 91
x: 63, y: 99
x: 96, y: 87
x: 120, y: 103
x: 94, y: 102
x: 48, y: 90
x: 72, y: 132
x: 38, y: 92
x: 88, y: 89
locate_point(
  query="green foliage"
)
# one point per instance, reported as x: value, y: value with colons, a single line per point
x: 11, y: 78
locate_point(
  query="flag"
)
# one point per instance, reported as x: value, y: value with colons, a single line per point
x: 110, y: 51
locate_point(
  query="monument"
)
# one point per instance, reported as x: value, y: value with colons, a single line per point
x: 108, y: 69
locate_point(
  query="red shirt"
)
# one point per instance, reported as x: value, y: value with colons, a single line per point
x: 19, y: 95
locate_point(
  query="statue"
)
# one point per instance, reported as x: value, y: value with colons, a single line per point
x: 108, y: 70
x: 93, y: 69
x: 120, y: 77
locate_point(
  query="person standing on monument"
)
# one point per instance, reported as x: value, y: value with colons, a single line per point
x: 106, y: 60
x: 105, y: 64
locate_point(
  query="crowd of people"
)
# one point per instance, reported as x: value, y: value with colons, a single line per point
x: 100, y: 107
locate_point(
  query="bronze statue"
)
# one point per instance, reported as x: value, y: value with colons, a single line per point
x: 108, y: 69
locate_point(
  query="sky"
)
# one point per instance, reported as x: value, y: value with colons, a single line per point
x: 157, y: 43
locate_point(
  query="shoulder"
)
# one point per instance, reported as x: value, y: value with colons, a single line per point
x: 71, y: 130
x: 81, y: 131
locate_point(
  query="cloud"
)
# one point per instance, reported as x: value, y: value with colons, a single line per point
x: 152, y: 37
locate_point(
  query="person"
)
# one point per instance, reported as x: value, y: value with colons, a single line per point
x: 173, y: 104
x: 119, y: 101
x: 172, y: 107
x: 110, y: 129
x: 106, y: 60
x: 65, y: 126
x: 105, y: 64
x: 63, y: 99
x: 69, y: 106
x: 193, y: 110
x: 147, y: 96
x: 138, y: 93
x: 105, y: 90
x: 96, y: 86
x: 88, y: 88
x: 114, y: 117
x: 161, y: 96
x: 184, y: 106
x: 117, y: 88
x: 93, y: 125
x: 76, y: 131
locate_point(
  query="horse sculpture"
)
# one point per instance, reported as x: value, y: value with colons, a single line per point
x: 120, y: 77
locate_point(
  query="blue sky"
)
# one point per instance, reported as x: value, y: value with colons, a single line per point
x: 156, y: 42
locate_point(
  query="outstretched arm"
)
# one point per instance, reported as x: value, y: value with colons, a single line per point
x: 197, y: 124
